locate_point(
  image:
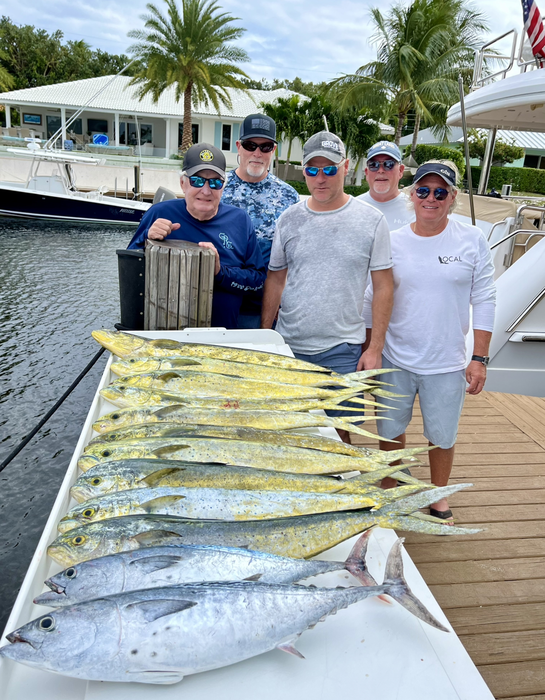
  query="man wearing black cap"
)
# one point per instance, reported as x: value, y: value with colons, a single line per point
x: 262, y: 195
x: 202, y: 218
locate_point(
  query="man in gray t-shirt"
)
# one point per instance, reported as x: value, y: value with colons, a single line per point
x: 321, y: 255
x: 383, y: 172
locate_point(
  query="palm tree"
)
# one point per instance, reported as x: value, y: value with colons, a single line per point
x: 189, y: 49
x: 421, y: 50
x: 289, y: 114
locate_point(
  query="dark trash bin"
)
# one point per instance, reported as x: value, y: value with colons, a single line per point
x: 132, y: 282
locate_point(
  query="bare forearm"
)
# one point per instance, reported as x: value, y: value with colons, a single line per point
x: 481, y: 342
x: 383, y: 300
x: 272, y: 295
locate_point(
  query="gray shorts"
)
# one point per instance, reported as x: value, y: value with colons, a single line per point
x: 441, y: 399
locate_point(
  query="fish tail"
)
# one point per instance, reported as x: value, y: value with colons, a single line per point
x: 399, y: 588
x: 356, y: 564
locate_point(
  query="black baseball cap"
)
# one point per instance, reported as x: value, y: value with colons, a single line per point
x: 258, y: 126
x: 444, y: 172
x: 203, y: 156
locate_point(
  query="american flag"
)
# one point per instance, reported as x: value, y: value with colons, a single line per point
x: 535, y: 30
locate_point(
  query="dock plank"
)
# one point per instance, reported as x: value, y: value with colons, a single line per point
x: 497, y: 618
x: 471, y: 571
x: 504, y: 680
x: 495, y: 647
x: 470, y: 551
x: 462, y: 595
x: 473, y: 497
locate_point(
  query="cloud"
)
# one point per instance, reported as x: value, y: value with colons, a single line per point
x: 313, y: 40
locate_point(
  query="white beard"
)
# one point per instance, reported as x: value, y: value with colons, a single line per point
x: 256, y: 170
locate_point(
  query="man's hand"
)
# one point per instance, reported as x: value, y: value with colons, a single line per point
x: 370, y: 359
x: 475, y: 377
x: 161, y: 228
x: 211, y: 246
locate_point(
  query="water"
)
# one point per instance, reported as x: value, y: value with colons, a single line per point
x: 57, y: 284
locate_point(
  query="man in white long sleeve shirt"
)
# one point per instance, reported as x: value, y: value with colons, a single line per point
x: 441, y: 268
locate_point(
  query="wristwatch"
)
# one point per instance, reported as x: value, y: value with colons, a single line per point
x: 480, y: 358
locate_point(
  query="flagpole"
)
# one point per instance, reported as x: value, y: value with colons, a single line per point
x: 466, y: 149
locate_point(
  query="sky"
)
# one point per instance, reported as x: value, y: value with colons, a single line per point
x: 313, y: 39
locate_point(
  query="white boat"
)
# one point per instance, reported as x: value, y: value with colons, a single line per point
x: 515, y: 102
x: 381, y: 649
x: 55, y: 196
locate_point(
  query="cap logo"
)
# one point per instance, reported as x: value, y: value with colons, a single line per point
x: 206, y: 156
x: 445, y: 172
x: 261, y: 124
x: 330, y: 144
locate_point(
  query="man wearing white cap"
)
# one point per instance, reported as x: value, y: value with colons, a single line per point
x: 383, y: 172
x: 322, y: 252
x: 441, y: 268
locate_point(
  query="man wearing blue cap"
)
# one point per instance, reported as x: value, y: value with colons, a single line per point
x: 262, y: 195
x: 383, y: 172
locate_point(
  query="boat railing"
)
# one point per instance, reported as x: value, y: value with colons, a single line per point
x: 530, y: 207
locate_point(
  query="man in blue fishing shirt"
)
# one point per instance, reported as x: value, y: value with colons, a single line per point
x: 262, y: 195
x: 202, y: 218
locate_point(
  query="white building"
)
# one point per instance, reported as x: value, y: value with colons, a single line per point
x: 130, y: 123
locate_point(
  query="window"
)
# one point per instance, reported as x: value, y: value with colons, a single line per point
x: 226, y: 137
x: 194, y: 133
x: 531, y: 162
x: 100, y: 125
x: 53, y: 125
x: 76, y: 127
x: 129, y: 137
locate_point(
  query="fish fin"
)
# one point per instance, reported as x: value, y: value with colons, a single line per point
x: 158, y: 505
x: 156, y: 477
x: 156, y: 537
x: 164, y: 452
x: 400, y: 591
x: 356, y: 563
x: 167, y: 410
x: 255, y: 577
x: 183, y: 361
x: 155, y: 563
x: 406, y: 506
x: 165, y: 343
x: 156, y: 677
x: 289, y: 648
x: 154, y: 609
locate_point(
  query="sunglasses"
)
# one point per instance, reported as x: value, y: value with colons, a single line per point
x: 440, y: 193
x: 374, y: 165
x: 253, y: 146
x: 215, y: 183
x: 329, y: 170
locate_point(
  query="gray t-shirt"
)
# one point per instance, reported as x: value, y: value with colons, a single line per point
x: 395, y: 211
x: 328, y: 256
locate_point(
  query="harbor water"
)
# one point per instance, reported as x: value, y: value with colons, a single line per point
x: 57, y: 284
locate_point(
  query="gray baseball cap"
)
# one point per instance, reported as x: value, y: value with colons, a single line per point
x: 258, y: 126
x: 204, y: 156
x: 386, y: 148
x: 324, y: 144
x: 444, y: 171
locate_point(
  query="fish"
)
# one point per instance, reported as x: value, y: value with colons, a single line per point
x: 129, y: 345
x: 203, y: 384
x: 300, y: 537
x: 205, y: 503
x: 109, y: 477
x: 297, y: 460
x: 154, y: 567
x: 233, y: 417
x: 131, y: 396
x: 136, y: 636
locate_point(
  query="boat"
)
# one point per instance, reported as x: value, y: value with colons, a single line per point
x: 55, y: 196
x: 514, y: 101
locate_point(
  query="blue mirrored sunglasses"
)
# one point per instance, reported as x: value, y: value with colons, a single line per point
x: 329, y: 170
x: 197, y: 181
x: 374, y: 165
x: 440, y: 193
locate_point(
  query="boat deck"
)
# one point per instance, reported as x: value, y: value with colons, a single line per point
x: 491, y: 585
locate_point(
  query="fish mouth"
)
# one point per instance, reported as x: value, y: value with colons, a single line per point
x: 55, y: 587
x: 17, y: 638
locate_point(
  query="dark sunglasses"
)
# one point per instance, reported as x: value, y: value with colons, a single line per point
x: 214, y: 182
x: 440, y: 193
x: 374, y: 165
x: 329, y: 170
x: 253, y: 146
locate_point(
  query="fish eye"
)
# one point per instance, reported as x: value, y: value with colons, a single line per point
x: 70, y: 573
x: 132, y: 361
x: 47, y: 623
x: 96, y: 481
x: 78, y: 540
x: 106, y: 453
x: 115, y: 416
x: 88, y: 512
x: 124, y: 379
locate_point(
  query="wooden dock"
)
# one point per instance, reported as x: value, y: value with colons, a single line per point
x: 492, y: 585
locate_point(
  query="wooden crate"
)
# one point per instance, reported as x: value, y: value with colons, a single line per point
x: 179, y: 285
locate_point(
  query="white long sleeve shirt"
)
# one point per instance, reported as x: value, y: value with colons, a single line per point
x: 436, y: 279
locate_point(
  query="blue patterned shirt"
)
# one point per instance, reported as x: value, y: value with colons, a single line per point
x: 264, y: 201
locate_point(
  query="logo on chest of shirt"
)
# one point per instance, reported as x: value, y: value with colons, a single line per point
x: 226, y: 242
x: 446, y: 259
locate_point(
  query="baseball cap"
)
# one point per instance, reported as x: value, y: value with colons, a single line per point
x: 444, y: 171
x: 386, y: 148
x: 258, y: 126
x: 203, y: 156
x: 324, y: 144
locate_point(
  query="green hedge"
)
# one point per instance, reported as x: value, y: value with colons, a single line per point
x: 355, y: 190
x: 425, y: 153
x: 522, y: 179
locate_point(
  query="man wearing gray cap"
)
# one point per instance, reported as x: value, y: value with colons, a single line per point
x: 321, y: 254
x: 262, y: 195
x: 202, y: 218
x: 383, y: 172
